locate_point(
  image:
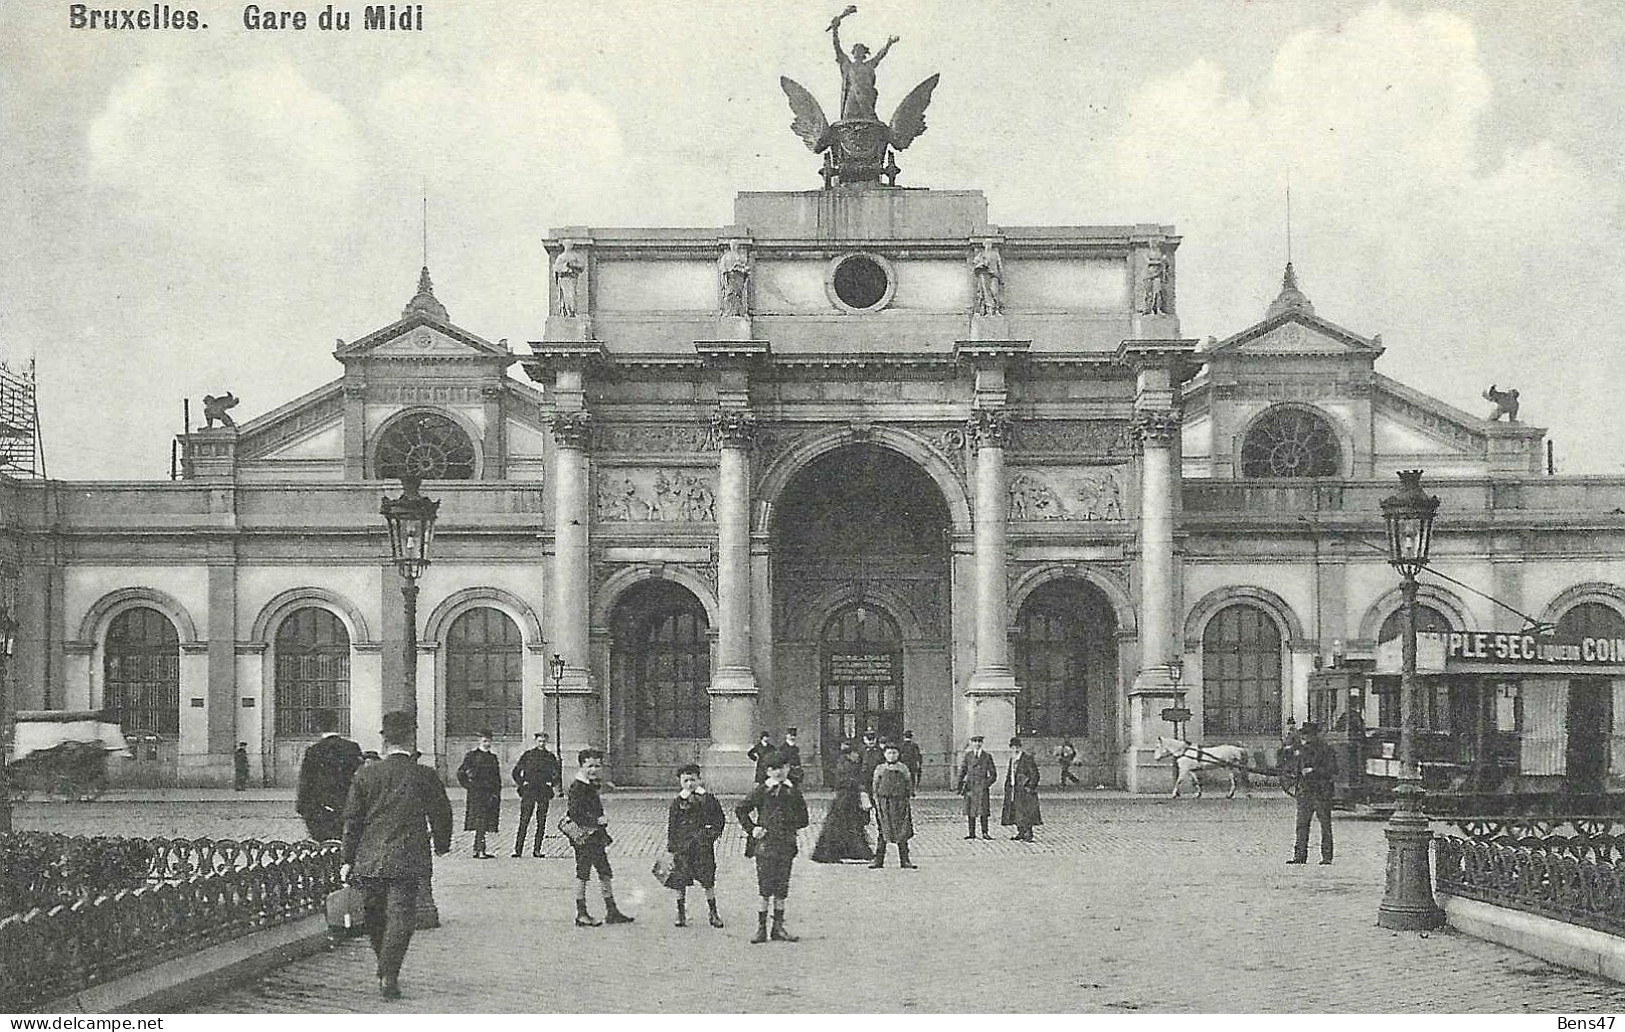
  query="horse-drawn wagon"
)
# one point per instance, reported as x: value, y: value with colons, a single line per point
x: 61, y: 754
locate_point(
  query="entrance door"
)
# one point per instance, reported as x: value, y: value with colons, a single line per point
x: 862, y: 676
x: 1590, y: 723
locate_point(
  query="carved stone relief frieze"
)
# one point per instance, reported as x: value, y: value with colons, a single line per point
x: 654, y: 437
x: 427, y: 394
x: 1066, y: 493
x: 656, y: 496
x: 1094, y: 437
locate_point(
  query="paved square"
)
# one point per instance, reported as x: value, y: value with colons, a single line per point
x: 1122, y: 905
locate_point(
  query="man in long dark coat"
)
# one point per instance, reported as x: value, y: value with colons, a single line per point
x: 393, y: 807
x: 913, y: 759
x: 1021, y: 794
x: 481, y: 774
x: 1315, y: 764
x: 891, y: 790
x: 324, y: 779
x: 792, y: 757
x: 538, y: 776
x: 977, y: 773
x: 759, y: 753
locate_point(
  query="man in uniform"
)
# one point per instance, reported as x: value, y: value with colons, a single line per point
x: 977, y: 772
x: 911, y: 756
x: 537, y: 775
x: 393, y: 807
x: 324, y: 779
x: 1314, y: 763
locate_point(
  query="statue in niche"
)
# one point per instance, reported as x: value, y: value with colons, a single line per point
x: 1156, y: 283
x: 1505, y: 402
x: 733, y: 268
x: 214, y: 407
x: 567, y: 270
x: 987, y: 265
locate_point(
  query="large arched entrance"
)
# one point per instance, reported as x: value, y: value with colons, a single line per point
x: 659, y: 667
x: 1065, y: 652
x: 861, y: 601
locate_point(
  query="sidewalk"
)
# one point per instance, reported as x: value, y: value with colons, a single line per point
x: 1122, y: 905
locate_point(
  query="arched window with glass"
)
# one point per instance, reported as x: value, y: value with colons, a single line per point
x: 312, y: 672
x: 1289, y: 441
x: 484, y: 674
x: 426, y: 445
x: 141, y: 672
x: 1241, y: 673
x: 672, y: 667
x: 1436, y: 711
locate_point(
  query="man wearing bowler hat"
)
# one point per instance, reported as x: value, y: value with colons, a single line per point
x: 1021, y: 793
x: 394, y: 807
x: 1314, y: 764
x: 977, y: 773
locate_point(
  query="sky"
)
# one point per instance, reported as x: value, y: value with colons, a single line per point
x: 189, y: 212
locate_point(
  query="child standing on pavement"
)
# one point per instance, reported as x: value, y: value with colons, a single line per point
x: 586, y: 808
x: 894, y: 815
x: 693, y: 825
x: 779, y: 812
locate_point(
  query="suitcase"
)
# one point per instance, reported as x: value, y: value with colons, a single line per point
x: 346, y: 917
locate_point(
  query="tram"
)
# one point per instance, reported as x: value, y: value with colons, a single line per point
x: 1507, y: 723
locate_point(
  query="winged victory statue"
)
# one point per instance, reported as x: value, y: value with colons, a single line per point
x: 857, y: 147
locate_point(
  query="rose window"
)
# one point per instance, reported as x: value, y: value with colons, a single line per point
x: 1291, y: 442
x: 425, y: 445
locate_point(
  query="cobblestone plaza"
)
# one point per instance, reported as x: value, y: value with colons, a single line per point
x: 1122, y: 905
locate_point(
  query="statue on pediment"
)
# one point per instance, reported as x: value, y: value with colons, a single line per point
x: 987, y: 265
x: 1155, y: 301
x: 214, y: 408
x: 567, y: 270
x: 855, y: 147
x: 1505, y: 402
x: 733, y: 269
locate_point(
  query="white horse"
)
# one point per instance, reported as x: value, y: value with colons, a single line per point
x: 1188, y: 759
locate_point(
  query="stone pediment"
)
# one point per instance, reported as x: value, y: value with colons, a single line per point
x: 292, y: 429
x: 1297, y: 333
x: 419, y: 336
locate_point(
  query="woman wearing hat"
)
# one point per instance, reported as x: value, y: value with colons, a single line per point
x: 1021, y: 793
x: 845, y: 835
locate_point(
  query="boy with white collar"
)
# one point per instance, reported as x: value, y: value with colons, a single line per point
x: 586, y: 808
x: 693, y: 825
x: 780, y: 811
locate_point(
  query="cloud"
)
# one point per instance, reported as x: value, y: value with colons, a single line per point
x: 255, y: 156
x: 1407, y: 221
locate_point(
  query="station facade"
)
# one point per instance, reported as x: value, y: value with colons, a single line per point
x: 824, y: 467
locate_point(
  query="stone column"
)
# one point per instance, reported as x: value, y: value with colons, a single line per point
x: 733, y: 688
x: 571, y: 433
x: 992, y: 689
x: 1155, y: 432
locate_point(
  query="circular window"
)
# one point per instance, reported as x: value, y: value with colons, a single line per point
x: 861, y: 282
x: 426, y: 445
x: 1291, y: 442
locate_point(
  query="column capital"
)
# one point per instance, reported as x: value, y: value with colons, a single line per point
x: 734, y: 428
x: 989, y: 428
x: 1156, y: 427
x: 572, y: 429
x: 550, y: 356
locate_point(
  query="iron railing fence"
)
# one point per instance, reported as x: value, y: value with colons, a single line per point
x: 1570, y: 869
x: 199, y: 892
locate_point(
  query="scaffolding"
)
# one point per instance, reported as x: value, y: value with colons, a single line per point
x: 21, y: 453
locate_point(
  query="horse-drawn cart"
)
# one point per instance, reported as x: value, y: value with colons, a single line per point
x: 61, y: 754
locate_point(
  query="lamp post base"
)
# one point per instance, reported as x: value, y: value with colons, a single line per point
x: 428, y: 912
x: 1408, y: 903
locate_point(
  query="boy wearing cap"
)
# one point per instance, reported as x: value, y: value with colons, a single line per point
x: 772, y: 815
x: 694, y: 822
x: 586, y: 808
x: 1021, y: 793
x: 977, y: 773
x: 891, y: 789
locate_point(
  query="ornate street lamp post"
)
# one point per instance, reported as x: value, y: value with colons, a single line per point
x: 1408, y: 903
x: 8, y: 641
x: 555, y: 667
x: 411, y: 529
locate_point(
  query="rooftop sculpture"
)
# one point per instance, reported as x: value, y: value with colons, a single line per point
x: 857, y: 148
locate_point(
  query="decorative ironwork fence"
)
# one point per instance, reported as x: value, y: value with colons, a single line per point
x: 199, y: 892
x: 1568, y: 869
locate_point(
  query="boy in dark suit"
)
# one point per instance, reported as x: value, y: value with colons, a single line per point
x: 324, y: 779
x: 693, y: 824
x: 393, y: 807
x: 779, y: 812
x: 586, y: 808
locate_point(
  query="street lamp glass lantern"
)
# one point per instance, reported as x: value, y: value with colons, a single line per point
x: 555, y: 667
x: 1410, y: 514
x: 411, y: 527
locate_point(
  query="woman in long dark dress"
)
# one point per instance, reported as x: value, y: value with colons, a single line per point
x: 845, y: 834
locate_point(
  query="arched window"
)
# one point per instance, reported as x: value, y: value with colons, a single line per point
x: 141, y: 672
x: 1428, y: 620
x: 484, y: 676
x: 1591, y: 620
x: 1065, y: 643
x: 863, y: 676
x: 1241, y: 673
x: 672, y: 667
x: 1291, y: 442
x: 426, y: 445
x: 312, y: 672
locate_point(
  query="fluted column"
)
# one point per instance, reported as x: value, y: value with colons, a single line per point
x: 992, y: 689
x: 733, y: 688
x: 571, y: 432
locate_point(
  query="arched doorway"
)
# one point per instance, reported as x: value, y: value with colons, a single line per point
x: 310, y: 686
x: 659, y: 667
x: 141, y: 689
x: 1065, y: 653
x: 862, y: 530
x: 1589, y: 720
